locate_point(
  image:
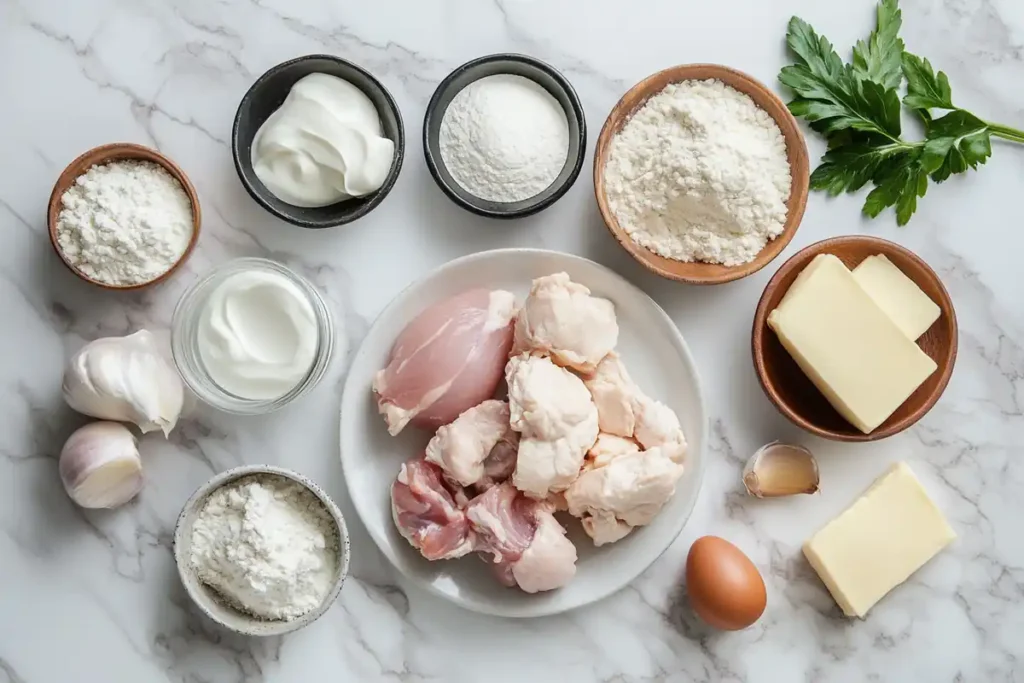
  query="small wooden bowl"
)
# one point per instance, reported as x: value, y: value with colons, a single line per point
x: 705, y: 273
x: 795, y: 395
x: 119, y: 151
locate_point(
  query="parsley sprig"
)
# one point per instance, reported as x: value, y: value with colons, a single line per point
x: 857, y: 108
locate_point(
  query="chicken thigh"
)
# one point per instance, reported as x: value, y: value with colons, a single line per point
x: 447, y: 360
x: 522, y: 540
x: 562, y: 320
x: 627, y: 492
x: 426, y: 513
x: 553, y: 412
x: 460, y: 448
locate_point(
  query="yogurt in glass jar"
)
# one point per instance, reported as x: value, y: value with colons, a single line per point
x: 252, y: 336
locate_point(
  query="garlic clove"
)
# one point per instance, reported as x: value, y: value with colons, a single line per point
x: 100, y: 465
x: 779, y: 469
x: 126, y: 379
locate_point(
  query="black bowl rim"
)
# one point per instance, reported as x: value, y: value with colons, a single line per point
x: 379, y: 195
x: 577, y: 110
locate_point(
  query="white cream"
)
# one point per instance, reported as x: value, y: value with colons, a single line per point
x: 257, y: 335
x: 323, y: 145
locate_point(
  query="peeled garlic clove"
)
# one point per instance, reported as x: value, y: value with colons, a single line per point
x: 780, y: 469
x: 126, y: 379
x: 100, y: 465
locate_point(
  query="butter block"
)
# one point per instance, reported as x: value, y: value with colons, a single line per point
x: 897, y: 295
x: 889, y: 533
x: 856, y: 356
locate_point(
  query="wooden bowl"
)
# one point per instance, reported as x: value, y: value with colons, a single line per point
x: 795, y: 395
x: 705, y: 273
x: 119, y: 151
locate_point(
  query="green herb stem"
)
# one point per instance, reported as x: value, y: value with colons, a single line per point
x: 1005, y: 132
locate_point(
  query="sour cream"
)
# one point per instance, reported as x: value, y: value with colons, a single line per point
x: 323, y: 145
x: 257, y: 335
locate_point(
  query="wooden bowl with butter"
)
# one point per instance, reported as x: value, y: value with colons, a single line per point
x: 793, y: 392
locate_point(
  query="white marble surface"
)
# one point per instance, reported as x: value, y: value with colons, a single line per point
x: 94, y: 596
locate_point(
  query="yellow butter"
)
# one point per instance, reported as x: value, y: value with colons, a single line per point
x: 897, y: 295
x: 879, y: 541
x: 856, y: 356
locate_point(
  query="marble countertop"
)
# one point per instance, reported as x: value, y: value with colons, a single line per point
x: 93, y: 596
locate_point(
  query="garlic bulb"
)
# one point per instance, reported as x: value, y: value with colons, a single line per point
x: 125, y: 379
x: 100, y: 465
x: 779, y: 469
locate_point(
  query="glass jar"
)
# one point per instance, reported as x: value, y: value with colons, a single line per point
x: 185, y: 339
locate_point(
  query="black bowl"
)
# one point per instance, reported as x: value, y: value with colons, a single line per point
x: 543, y: 75
x: 267, y: 94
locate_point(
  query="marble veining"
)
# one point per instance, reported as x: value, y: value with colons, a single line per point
x: 93, y: 596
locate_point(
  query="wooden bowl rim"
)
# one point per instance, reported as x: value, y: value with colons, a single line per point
x: 795, y: 143
x: 760, y: 326
x: 118, y: 151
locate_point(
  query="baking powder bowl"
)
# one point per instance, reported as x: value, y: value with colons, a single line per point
x: 544, y: 75
x: 209, y: 600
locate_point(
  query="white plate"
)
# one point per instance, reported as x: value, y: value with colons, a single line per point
x: 657, y: 358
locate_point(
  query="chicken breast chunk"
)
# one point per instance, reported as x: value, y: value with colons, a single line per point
x: 460, y: 448
x: 627, y: 492
x: 562, y: 320
x: 553, y: 412
x: 614, y: 395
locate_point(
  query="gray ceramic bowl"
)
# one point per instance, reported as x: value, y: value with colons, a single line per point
x: 543, y: 75
x: 264, y: 98
x: 208, y: 600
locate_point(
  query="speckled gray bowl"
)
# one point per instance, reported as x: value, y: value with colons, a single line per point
x: 208, y: 600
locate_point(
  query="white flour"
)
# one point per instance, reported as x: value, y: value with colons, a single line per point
x: 504, y: 138
x: 267, y: 545
x: 700, y: 173
x: 124, y: 223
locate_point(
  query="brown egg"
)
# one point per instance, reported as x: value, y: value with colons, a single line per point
x: 725, y: 588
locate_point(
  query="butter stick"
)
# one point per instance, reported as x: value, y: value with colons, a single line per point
x: 889, y: 533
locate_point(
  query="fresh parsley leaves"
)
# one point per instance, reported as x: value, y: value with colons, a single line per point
x: 857, y: 108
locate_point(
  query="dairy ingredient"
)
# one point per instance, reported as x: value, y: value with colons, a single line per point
x: 504, y: 138
x: 879, y: 541
x: 124, y: 223
x: 897, y: 295
x: 267, y: 545
x: 257, y: 335
x: 700, y: 173
x: 323, y: 145
x: 852, y: 351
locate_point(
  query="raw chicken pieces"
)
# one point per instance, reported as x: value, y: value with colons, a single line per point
x: 626, y: 492
x: 521, y: 538
x: 426, y: 514
x: 624, y: 410
x: 553, y: 412
x: 461, y: 447
x: 562, y: 320
x: 576, y: 435
x: 447, y: 360
x: 614, y: 394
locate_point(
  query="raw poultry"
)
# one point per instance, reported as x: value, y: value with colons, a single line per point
x: 522, y: 540
x: 447, y: 360
x: 562, y: 320
x: 576, y: 434
x: 626, y: 492
x: 553, y: 412
x: 462, y: 447
x: 426, y: 514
